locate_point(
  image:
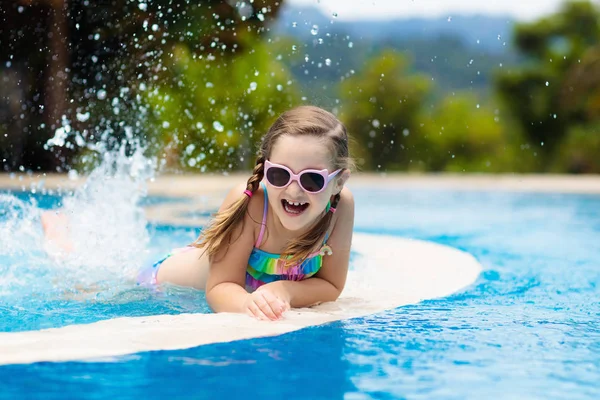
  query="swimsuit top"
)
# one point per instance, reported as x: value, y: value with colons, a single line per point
x: 264, y: 267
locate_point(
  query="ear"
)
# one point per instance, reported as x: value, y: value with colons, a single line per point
x: 341, y: 180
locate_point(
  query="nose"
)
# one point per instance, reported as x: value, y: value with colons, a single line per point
x: 294, y: 189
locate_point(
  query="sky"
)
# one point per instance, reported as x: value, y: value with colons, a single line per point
x: 386, y: 9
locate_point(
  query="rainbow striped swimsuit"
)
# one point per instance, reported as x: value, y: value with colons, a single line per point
x: 264, y: 267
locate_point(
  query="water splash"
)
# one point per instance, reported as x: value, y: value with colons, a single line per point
x: 106, y: 226
x: 106, y: 223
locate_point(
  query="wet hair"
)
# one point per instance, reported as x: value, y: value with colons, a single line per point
x: 301, y: 121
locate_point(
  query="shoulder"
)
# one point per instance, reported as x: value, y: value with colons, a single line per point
x: 344, y: 213
x: 346, y: 204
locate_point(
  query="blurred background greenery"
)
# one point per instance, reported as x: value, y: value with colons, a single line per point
x: 200, y: 82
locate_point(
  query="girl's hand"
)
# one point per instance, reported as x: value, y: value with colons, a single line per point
x: 266, y: 303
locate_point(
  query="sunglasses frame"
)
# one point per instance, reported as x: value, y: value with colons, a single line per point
x: 296, y: 177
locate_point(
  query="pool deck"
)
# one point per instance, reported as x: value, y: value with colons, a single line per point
x: 205, y: 191
x: 409, y: 271
x: 195, y: 184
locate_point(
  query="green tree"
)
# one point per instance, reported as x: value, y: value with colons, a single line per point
x: 213, y: 118
x: 85, y: 59
x: 580, y: 151
x: 465, y: 136
x: 540, y: 95
x: 382, y: 109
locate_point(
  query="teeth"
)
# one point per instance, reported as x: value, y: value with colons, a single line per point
x: 296, y: 204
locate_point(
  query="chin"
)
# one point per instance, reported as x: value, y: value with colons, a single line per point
x: 296, y: 224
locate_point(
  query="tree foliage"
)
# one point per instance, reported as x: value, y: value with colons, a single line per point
x: 213, y: 114
x: 557, y: 88
x: 88, y: 58
x: 382, y: 108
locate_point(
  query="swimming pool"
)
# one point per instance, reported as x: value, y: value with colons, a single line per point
x: 528, y: 328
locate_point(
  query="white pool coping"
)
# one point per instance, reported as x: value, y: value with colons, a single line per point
x: 390, y: 272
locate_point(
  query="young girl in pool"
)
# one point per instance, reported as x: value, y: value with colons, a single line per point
x: 282, y: 239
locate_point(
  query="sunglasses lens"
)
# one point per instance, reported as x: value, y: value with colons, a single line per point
x: 312, y: 182
x: 278, y: 176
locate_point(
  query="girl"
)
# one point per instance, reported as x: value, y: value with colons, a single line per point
x: 282, y: 239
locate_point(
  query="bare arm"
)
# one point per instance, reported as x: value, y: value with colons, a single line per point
x: 225, y: 286
x: 328, y: 283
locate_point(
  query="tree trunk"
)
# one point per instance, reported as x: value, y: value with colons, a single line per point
x: 57, y: 82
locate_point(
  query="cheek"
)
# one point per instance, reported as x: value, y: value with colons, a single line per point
x: 320, y: 200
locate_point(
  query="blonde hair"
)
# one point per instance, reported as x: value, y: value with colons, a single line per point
x: 304, y: 120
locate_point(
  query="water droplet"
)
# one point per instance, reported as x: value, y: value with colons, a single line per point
x: 471, y: 62
x: 253, y: 86
x: 190, y: 149
x: 143, y: 6
x: 335, y: 15
x: 101, y: 95
x: 450, y: 19
x: 327, y: 62
x: 376, y: 123
x: 83, y: 117
x: 294, y: 24
x: 477, y: 105
x: 405, y: 132
x: 547, y: 83
x: 218, y: 126
x: 166, y: 124
x: 209, y: 84
x: 294, y: 47
x: 279, y: 87
x: 350, y: 45
x: 315, y: 30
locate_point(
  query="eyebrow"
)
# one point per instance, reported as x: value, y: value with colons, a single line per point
x: 296, y: 171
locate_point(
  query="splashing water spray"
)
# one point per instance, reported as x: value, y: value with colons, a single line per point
x: 106, y: 224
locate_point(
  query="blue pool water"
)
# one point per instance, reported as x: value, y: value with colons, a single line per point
x: 528, y: 328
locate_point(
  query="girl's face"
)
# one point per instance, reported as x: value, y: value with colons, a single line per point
x: 296, y: 208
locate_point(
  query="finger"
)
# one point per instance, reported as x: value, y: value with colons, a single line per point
x: 263, y: 302
x: 277, y: 305
x: 256, y: 311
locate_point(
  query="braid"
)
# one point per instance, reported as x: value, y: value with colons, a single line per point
x: 336, y: 200
x: 217, y: 236
x: 257, y: 174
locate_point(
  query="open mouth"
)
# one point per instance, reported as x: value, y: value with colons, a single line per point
x: 294, y: 208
